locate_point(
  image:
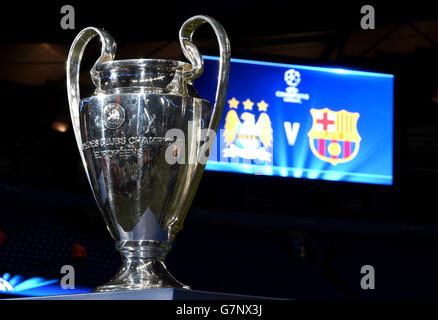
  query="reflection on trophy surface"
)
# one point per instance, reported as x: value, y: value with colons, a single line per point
x: 142, y: 137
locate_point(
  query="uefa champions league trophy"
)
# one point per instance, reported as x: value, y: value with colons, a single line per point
x: 140, y: 137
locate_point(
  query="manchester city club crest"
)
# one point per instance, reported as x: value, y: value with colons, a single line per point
x: 114, y: 115
x: 334, y: 137
x: 246, y: 137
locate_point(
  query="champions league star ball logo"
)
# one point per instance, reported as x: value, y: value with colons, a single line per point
x: 292, y: 78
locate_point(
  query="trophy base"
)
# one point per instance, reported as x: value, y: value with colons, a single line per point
x: 143, y: 268
x: 139, y: 274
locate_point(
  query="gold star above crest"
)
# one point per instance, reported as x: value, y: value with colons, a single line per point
x: 233, y: 103
x: 247, y: 104
x: 263, y: 106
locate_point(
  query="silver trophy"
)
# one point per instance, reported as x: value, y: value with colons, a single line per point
x: 141, y: 137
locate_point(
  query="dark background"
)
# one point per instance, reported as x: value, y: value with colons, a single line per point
x: 266, y: 236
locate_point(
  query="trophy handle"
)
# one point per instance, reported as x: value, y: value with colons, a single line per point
x: 192, y: 54
x: 108, y: 50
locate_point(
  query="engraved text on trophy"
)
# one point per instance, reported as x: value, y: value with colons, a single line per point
x: 123, y: 147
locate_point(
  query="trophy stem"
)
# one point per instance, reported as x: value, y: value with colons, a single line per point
x: 143, y: 267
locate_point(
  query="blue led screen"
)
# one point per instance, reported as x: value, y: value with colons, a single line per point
x: 303, y: 121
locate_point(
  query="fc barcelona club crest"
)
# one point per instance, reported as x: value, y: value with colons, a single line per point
x: 334, y: 137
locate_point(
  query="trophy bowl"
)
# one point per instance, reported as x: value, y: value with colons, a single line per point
x: 144, y: 138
